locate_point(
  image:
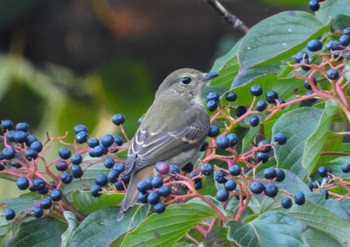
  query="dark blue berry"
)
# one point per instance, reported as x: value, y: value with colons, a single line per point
x: 66, y: 178
x: 31, y: 139
x: 325, y: 193
x: 220, y: 177
x: 39, y: 184
x: 20, y: 136
x: 222, y: 195
x: 256, y: 90
x: 113, y: 176
x: 31, y: 154
x: 46, y: 203
x: 314, y: 5
x: 222, y: 142
x: 314, y: 45
x: 82, y: 137
x: 346, y: 31
x: 207, y: 169
x: 164, y: 191
x: 6, y: 125
x: 213, y: 130
x: 334, y: 45
x: 107, y: 140
x: 153, y: 198
x: 344, y: 39
x: 304, y: 64
x: 76, y: 159
x: 101, y: 180
x: 188, y: 167
x: 204, y: 146
x: 37, y: 145
x: 231, y: 96
x: 143, y: 186
x: 271, y: 96
x: 332, y: 74
x: 15, y: 164
x: 213, y: 96
x: 233, y: 139
x: 261, y: 156
x: 159, y: 207
x: 95, y: 190
x: 108, y: 162
x: 119, y: 167
x: 37, y: 212
x: 118, y: 119
x: 230, y: 185
x: 280, y: 175
x: 261, y: 105
x: 64, y: 153
x: 61, y: 165
x: 267, y: 148
x: 9, y: 213
x: 198, y: 185
x: 212, y: 105
x: 11, y: 135
x: 286, y: 202
x: 174, y: 169
x: 322, y: 171
x: 118, y: 185
x: 307, y: 84
x: 235, y: 170
x: 280, y: 138
x: 44, y: 191
x: 79, y: 128
x: 93, y: 142
x: 254, y: 121
x: 257, y: 187
x: 300, y: 56
x: 143, y: 197
x: 118, y: 140
x: 270, y: 173
x: 77, y: 172
x: 271, y: 190
x: 22, y: 126
x: 345, y: 168
x: 55, y: 195
x: 195, y: 174
x: 240, y: 111
x: 22, y: 183
x: 299, y: 198
x: 99, y: 150
x: 157, y: 182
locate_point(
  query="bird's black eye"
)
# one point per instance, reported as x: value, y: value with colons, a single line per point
x: 186, y: 80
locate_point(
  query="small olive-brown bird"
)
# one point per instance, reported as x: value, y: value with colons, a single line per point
x: 172, y: 130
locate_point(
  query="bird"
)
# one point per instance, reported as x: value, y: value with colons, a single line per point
x: 172, y: 130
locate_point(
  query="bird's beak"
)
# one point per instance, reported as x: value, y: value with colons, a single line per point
x: 210, y: 75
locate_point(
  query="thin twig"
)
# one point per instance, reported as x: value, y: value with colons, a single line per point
x: 231, y: 19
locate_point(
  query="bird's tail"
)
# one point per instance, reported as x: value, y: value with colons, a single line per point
x: 132, y: 194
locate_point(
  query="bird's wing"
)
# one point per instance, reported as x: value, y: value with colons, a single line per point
x: 149, y: 147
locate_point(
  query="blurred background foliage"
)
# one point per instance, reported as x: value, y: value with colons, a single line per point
x: 69, y: 62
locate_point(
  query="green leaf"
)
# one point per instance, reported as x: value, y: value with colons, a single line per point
x: 221, y: 62
x: 85, y: 182
x: 270, y: 229
x: 167, y: 228
x: 315, y: 142
x: 331, y: 8
x: 227, y: 74
x: 101, y: 227
x: 322, y: 219
x: 72, y: 224
x: 297, y: 125
x: 41, y: 232
x: 320, y: 239
x: 341, y: 22
x: 336, y: 164
x: 86, y: 203
x: 278, y: 37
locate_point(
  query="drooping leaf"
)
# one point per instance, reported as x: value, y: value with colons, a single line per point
x: 72, y: 224
x: 331, y: 8
x: 101, y: 227
x: 41, y: 232
x: 166, y: 228
x: 269, y: 229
